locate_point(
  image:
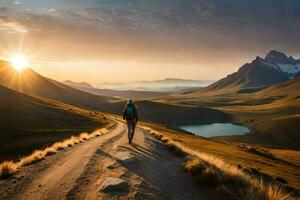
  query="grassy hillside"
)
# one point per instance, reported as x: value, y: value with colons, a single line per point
x: 30, y: 82
x: 282, y: 166
x: 28, y: 122
x: 175, y: 115
x: 137, y: 95
x: 272, y: 114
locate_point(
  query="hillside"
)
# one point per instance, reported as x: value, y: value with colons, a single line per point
x: 267, y: 163
x: 28, y: 123
x: 279, y: 119
x: 288, y: 88
x: 165, y: 85
x: 252, y: 97
x: 31, y: 82
x: 78, y: 84
x: 272, y: 114
x: 255, y: 74
x: 274, y: 69
x: 122, y: 94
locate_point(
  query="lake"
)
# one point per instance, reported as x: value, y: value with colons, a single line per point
x: 216, y: 129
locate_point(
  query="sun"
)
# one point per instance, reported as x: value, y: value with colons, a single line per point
x: 18, y: 62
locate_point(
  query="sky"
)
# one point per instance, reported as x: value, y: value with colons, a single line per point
x: 128, y: 40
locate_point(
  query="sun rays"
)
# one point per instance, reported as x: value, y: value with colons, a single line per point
x: 18, y: 62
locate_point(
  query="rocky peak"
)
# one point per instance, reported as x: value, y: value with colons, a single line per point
x: 277, y: 57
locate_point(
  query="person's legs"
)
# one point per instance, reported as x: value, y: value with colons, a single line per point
x: 133, y: 129
x: 129, y: 127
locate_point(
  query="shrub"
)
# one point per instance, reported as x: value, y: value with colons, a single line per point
x: 50, y: 151
x: 37, y: 155
x: 231, y: 180
x: 8, y: 168
x: 84, y: 136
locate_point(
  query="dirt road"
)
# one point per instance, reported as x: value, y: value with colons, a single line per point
x: 107, y: 167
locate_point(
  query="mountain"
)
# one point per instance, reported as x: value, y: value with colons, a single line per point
x: 274, y: 69
x: 281, y: 62
x: 32, y: 83
x: 77, y: 84
x: 255, y: 74
x: 165, y: 85
x: 290, y: 88
x: 28, y: 123
x: 121, y: 94
x: 297, y: 74
x: 124, y: 94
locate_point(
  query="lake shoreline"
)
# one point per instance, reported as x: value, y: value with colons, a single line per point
x: 217, y: 129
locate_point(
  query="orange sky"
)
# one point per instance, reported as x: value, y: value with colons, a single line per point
x: 97, y: 41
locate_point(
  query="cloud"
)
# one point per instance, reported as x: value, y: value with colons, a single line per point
x: 159, y: 29
x: 11, y: 26
x: 52, y: 10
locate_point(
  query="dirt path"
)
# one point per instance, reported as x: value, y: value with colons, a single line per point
x: 108, y: 167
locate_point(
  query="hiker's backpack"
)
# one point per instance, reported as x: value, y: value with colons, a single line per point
x: 130, y: 114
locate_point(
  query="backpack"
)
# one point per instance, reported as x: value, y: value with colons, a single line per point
x: 130, y: 113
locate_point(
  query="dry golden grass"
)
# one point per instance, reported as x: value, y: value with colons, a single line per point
x: 84, y: 136
x: 232, y: 181
x: 37, y: 155
x: 8, y: 168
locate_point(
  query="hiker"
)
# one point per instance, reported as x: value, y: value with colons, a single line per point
x: 131, y: 116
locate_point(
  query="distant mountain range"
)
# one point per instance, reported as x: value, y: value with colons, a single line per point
x: 33, y: 84
x: 78, y: 84
x: 165, y: 85
x: 275, y: 68
x: 121, y: 94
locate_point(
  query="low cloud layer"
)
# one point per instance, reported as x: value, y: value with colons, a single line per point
x: 10, y: 26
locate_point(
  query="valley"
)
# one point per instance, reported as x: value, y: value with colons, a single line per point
x: 36, y: 112
x: 149, y: 100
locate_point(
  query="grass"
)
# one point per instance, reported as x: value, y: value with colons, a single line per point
x: 38, y: 122
x: 8, y: 168
x: 271, y: 114
x: 229, y: 179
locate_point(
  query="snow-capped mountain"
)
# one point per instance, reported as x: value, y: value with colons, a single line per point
x: 275, y: 68
x: 281, y: 62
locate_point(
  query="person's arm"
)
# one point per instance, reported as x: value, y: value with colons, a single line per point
x: 124, y: 113
x: 136, y: 113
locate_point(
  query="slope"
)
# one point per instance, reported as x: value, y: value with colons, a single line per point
x: 136, y: 95
x: 28, y: 122
x: 30, y: 82
x: 274, y: 69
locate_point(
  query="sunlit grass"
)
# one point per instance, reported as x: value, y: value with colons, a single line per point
x: 227, y: 178
x: 8, y: 168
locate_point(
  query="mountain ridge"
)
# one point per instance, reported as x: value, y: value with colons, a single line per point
x: 78, y: 84
x: 32, y: 83
x: 274, y: 69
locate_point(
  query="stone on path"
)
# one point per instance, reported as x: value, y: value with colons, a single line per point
x: 125, y: 157
x: 114, y: 185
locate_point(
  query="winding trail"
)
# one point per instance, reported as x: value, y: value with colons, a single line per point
x: 107, y: 167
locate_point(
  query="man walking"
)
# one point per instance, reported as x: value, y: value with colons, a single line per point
x: 130, y: 114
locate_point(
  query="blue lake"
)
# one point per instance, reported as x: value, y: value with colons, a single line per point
x: 216, y: 129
